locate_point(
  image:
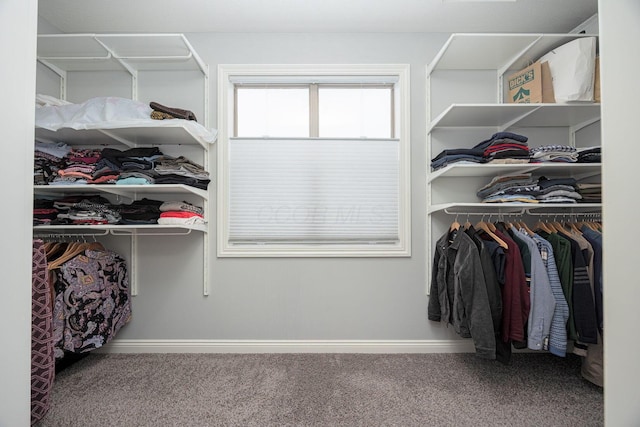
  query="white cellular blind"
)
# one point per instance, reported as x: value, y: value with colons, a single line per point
x: 313, y: 190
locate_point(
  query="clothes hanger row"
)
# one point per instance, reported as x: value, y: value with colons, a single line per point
x: 572, y: 224
x: 60, y: 248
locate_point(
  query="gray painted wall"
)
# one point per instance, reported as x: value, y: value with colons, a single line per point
x: 285, y: 298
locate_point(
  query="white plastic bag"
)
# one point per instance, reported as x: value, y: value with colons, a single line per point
x: 572, y: 67
x: 95, y: 112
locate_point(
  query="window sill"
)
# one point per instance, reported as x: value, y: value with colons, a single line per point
x: 379, y: 250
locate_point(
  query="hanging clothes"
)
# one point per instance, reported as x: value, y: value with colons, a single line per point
x: 92, y: 298
x: 459, y: 292
x: 515, y: 294
x: 548, y: 284
x: 558, y: 332
x: 42, y: 356
x: 542, y: 301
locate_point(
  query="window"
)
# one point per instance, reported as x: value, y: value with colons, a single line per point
x: 313, y: 161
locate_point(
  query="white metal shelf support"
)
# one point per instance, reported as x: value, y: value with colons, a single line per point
x: 134, y: 234
x: 133, y: 72
x: 575, y: 128
x: 62, y: 74
x: 205, y: 72
x: 517, y: 119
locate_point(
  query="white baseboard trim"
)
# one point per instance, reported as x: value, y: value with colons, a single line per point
x: 288, y: 346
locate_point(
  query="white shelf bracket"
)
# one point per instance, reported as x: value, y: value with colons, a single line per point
x: 518, y: 55
x: 517, y: 119
x: 205, y: 264
x: 132, y: 71
x: 133, y: 267
x: 61, y: 73
x: 575, y: 128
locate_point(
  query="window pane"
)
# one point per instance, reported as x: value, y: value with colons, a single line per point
x: 273, y: 112
x: 355, y: 112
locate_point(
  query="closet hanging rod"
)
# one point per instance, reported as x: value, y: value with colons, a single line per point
x: 594, y: 214
x: 53, y: 234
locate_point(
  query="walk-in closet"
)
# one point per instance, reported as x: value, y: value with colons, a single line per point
x: 182, y: 248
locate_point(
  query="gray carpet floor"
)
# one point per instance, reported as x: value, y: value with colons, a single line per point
x: 323, y: 390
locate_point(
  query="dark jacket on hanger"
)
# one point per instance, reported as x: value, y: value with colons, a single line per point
x: 492, y: 254
x: 515, y: 293
x: 584, y: 311
x: 490, y: 278
x: 459, y: 293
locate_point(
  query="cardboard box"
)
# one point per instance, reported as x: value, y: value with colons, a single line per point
x: 532, y: 85
x: 596, y: 82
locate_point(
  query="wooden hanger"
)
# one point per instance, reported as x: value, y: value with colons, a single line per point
x: 485, y: 227
x: 53, y: 249
x: 526, y: 228
x: 573, y: 227
x: 467, y: 225
x: 559, y: 227
x: 73, y: 249
x: 544, y: 227
x: 508, y: 223
x: 455, y: 225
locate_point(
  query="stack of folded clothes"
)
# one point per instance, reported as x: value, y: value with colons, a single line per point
x: 591, y: 193
x: 134, y: 166
x: 506, y: 147
x: 558, y: 190
x: 523, y: 188
x: 85, y: 210
x: 44, y: 212
x: 520, y: 188
x: 501, y: 147
x: 457, y: 155
x: 183, y: 213
x: 589, y: 155
x: 143, y: 211
x: 78, y: 168
x: 96, y: 210
x: 554, y: 153
x: 48, y: 159
x: 59, y: 165
x: 180, y: 170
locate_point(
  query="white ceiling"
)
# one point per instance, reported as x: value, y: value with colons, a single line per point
x: 187, y: 16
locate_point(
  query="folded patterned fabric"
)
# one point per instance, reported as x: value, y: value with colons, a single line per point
x: 510, y: 198
x: 508, y: 161
x: 554, y: 153
x: 159, y: 115
x: 180, y: 207
x: 177, y: 113
x: 503, y: 182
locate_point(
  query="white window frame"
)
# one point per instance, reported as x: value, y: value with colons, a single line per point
x: 228, y: 73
